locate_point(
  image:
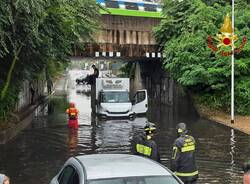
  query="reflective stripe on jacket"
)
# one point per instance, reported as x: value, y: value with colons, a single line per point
x: 144, y: 150
x: 147, y: 147
x: 183, y: 158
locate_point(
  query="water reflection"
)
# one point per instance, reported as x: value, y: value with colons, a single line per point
x: 72, y: 140
x: 220, y: 150
x: 115, y: 136
x: 48, y: 143
x: 232, y: 170
x: 38, y: 152
x: 232, y: 144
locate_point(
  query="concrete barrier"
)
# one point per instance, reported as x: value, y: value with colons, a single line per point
x: 26, y: 118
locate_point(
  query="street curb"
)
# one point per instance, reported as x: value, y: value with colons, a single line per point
x: 215, y: 119
x: 227, y: 125
x: 12, y: 132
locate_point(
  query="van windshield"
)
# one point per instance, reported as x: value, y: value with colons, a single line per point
x: 115, y: 97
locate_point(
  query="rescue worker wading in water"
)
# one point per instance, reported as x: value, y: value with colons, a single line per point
x: 73, y: 116
x: 145, y: 145
x: 183, y: 158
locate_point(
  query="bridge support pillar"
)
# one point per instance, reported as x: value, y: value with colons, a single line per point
x: 137, y: 82
x: 93, y: 98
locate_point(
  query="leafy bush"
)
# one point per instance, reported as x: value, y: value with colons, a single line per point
x: 183, y: 34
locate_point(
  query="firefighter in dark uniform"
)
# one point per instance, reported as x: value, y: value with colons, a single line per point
x: 183, y: 156
x: 92, y: 78
x: 145, y: 145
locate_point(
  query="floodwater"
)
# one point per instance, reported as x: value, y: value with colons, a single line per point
x: 36, y: 155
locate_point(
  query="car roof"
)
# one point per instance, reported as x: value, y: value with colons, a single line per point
x: 99, y: 166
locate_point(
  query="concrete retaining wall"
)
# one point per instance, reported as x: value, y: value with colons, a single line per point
x: 25, y: 94
x: 162, y: 89
x: 10, y: 133
x: 25, y: 117
x: 24, y: 111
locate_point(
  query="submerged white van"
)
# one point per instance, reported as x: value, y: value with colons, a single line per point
x: 112, y: 98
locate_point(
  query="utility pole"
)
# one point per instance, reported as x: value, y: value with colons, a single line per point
x: 232, y: 72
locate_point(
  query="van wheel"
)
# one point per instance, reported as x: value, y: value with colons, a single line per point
x: 102, y: 117
x: 132, y: 116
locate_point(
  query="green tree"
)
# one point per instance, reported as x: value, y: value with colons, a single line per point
x: 183, y: 34
x: 34, y: 33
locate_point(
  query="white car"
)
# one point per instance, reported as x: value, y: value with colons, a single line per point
x: 113, y: 169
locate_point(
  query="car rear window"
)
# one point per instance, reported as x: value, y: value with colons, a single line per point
x: 137, y: 180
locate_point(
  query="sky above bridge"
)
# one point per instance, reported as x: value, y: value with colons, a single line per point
x: 137, y: 8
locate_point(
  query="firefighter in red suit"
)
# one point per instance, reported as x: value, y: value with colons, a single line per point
x: 73, y: 116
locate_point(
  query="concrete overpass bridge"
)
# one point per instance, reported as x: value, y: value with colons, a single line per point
x: 127, y: 35
x: 126, y: 30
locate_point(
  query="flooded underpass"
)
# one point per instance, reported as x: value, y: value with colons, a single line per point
x: 36, y: 155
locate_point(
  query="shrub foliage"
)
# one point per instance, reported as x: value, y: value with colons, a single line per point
x: 183, y: 33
